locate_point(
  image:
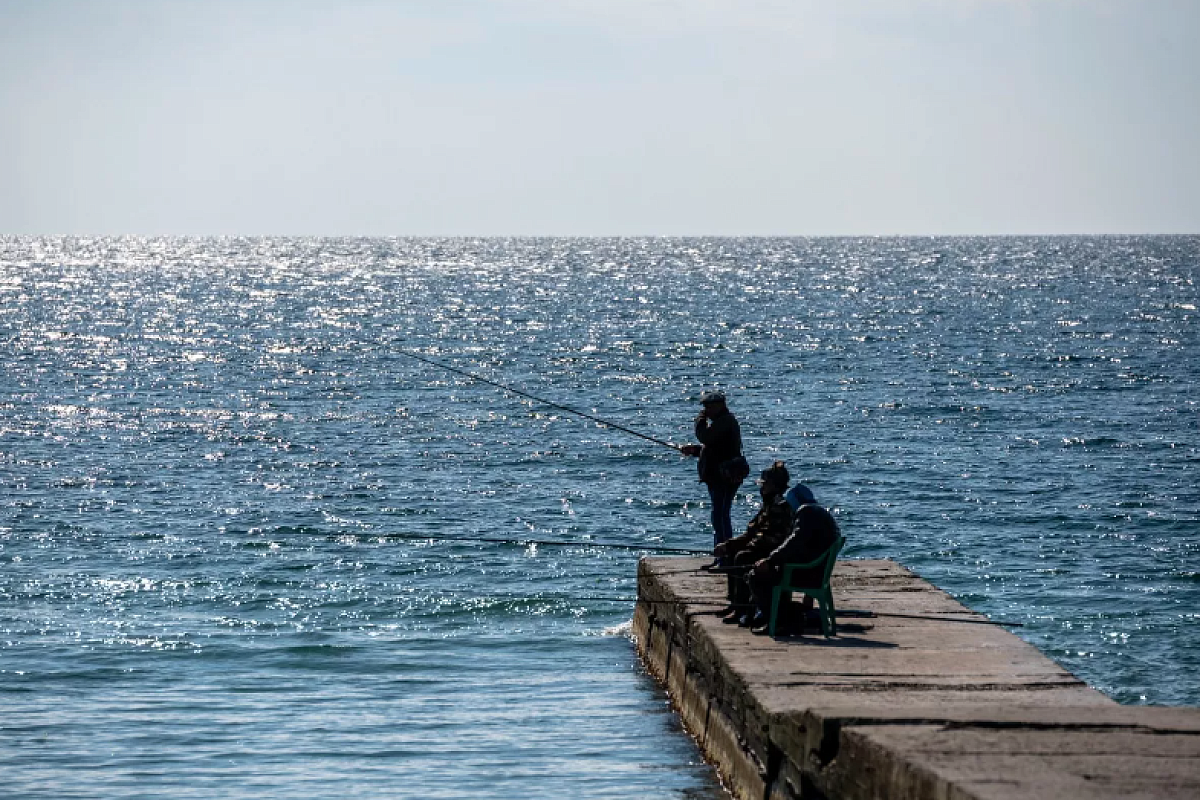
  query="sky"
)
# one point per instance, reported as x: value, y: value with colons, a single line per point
x: 599, y: 117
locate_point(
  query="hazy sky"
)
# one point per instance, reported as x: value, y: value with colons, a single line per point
x: 566, y: 117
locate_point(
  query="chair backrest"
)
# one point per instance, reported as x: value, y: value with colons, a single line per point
x: 798, y: 495
x: 831, y: 559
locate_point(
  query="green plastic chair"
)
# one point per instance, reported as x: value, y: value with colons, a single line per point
x: 821, y: 594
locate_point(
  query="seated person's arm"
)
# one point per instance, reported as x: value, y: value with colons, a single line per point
x: 780, y: 555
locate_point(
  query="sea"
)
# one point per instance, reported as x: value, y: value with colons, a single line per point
x: 250, y: 546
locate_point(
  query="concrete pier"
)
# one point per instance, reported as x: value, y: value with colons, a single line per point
x: 934, y: 704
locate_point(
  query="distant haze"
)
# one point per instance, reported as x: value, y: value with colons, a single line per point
x: 609, y: 117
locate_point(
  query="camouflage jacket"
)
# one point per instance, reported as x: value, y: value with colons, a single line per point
x: 769, y: 528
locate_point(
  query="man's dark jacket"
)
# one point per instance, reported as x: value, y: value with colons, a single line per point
x: 722, y: 439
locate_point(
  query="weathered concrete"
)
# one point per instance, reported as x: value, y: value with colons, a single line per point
x: 938, y: 706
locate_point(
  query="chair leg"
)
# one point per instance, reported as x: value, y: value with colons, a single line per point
x: 776, y: 593
x: 828, y: 615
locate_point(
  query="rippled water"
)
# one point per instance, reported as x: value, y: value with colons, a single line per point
x: 213, y: 454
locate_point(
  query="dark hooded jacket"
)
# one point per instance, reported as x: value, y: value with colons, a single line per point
x: 814, y: 530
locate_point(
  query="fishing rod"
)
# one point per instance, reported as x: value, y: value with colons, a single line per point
x: 542, y: 400
x: 577, y: 597
x: 856, y: 614
x: 851, y: 614
x: 543, y: 542
x: 871, y: 614
x: 539, y: 542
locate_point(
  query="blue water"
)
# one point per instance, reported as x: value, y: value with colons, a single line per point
x: 213, y: 452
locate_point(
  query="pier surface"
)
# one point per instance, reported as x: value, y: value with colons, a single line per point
x: 932, y: 704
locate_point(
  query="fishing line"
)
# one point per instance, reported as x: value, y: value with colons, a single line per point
x: 550, y: 403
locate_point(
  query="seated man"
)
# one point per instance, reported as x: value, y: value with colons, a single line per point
x: 770, y: 526
x: 814, y: 531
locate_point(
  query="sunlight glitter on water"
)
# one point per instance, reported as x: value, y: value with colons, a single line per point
x: 208, y: 446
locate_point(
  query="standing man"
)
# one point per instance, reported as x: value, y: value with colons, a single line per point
x: 720, y: 444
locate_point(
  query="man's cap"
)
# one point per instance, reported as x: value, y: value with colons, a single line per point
x: 776, y: 473
x: 800, y: 495
x: 712, y: 396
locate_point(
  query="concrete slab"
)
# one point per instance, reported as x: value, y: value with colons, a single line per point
x: 923, y: 699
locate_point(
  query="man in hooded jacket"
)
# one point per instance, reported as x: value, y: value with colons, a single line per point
x: 814, y: 530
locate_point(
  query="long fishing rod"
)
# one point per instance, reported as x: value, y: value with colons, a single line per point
x: 542, y: 400
x: 544, y: 542
x: 851, y: 614
x: 533, y: 598
x: 871, y: 614
x: 646, y: 548
x: 577, y: 597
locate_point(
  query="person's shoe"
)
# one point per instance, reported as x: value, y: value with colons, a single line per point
x: 753, y: 620
x: 732, y: 617
x: 726, y: 611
